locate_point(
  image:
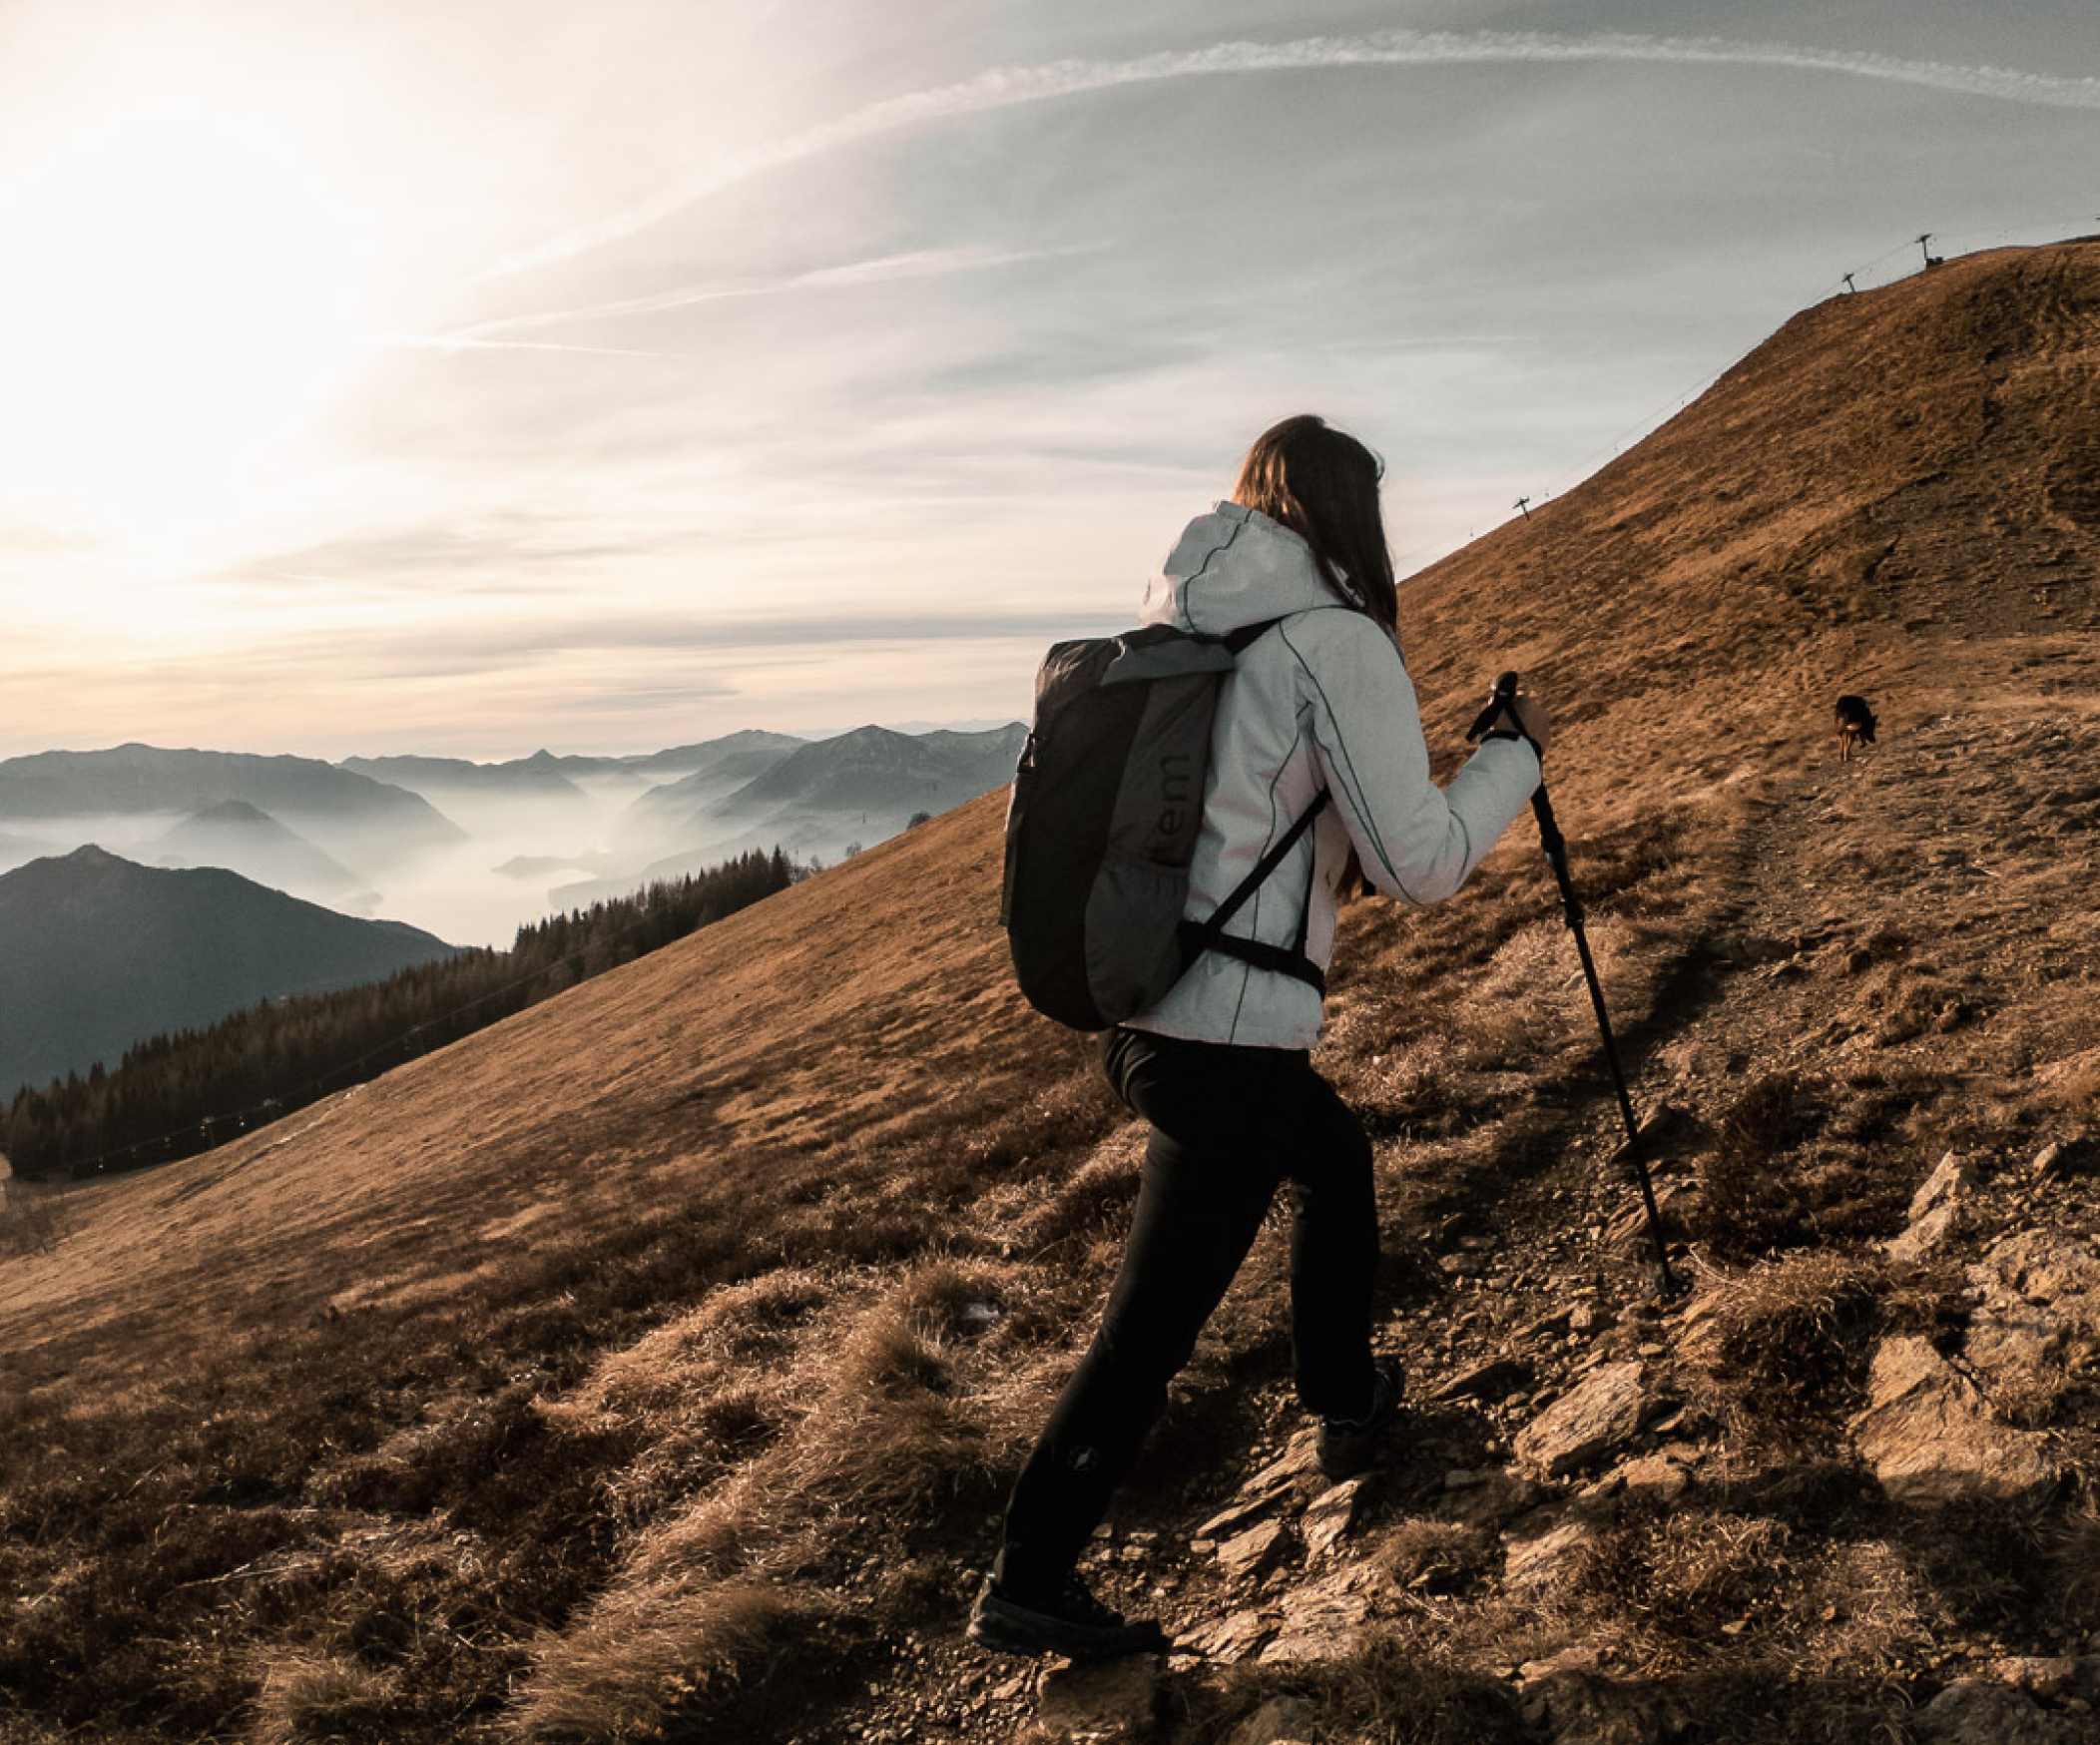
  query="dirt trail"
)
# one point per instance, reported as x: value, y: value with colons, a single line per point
x: 1900, y: 941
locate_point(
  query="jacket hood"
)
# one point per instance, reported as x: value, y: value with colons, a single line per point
x: 1234, y: 567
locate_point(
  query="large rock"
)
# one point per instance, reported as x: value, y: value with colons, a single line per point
x: 1938, y: 1210
x: 1283, y: 1720
x: 1332, y: 1514
x: 1235, y: 1638
x: 1950, y: 1180
x: 1973, y: 1713
x: 1103, y: 1702
x: 1930, y: 1438
x: 1323, y: 1621
x: 1253, y: 1553
x: 2037, y: 1312
x: 1593, y: 1419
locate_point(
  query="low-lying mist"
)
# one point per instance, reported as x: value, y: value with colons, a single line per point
x: 482, y: 849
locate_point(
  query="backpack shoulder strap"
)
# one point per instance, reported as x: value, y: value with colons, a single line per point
x: 1209, y: 936
x: 1242, y: 639
x: 1198, y: 937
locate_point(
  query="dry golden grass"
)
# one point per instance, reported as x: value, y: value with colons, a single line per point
x: 315, y: 1699
x: 577, y: 1380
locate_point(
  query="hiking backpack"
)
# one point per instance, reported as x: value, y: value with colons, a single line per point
x: 1107, y: 802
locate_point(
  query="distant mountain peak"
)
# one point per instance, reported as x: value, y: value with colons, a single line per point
x: 102, y: 952
x: 231, y: 811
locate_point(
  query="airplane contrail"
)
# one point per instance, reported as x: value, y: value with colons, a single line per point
x: 916, y: 264
x: 1008, y: 86
x: 471, y: 340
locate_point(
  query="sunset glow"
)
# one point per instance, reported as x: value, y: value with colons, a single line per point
x: 473, y: 378
x: 179, y: 301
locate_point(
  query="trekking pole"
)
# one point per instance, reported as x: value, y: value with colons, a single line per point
x: 1556, y: 848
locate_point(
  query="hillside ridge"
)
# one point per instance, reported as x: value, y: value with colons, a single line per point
x: 653, y: 1363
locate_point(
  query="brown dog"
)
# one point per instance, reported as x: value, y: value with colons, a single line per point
x: 1855, y: 726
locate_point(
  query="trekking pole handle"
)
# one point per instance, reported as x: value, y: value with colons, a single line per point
x: 1500, y: 713
x: 1500, y: 720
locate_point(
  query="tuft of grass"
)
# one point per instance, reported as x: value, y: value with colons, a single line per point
x: 1684, y: 1575
x: 1784, y: 1351
x: 1095, y: 1194
x: 324, y: 1699
x: 1397, y: 1689
x: 890, y: 1437
x: 2073, y: 1568
x: 1438, y: 1557
x: 653, y: 1652
x: 1754, y: 1193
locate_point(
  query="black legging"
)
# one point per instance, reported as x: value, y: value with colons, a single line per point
x: 1227, y: 1124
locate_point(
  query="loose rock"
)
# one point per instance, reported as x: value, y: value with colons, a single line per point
x: 2046, y: 1676
x: 1322, y: 1622
x: 1297, y: 1457
x: 1539, y: 1558
x: 1928, y: 1438
x: 1950, y: 1180
x: 1497, y: 1379
x: 1332, y: 1514
x: 1283, y: 1720
x: 1651, y: 1477
x: 1599, y: 1415
x: 1243, y: 1511
x: 1235, y: 1637
x: 1250, y: 1554
x: 1970, y: 1712
x: 1103, y: 1702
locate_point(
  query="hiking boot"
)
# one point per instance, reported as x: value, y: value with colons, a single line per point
x: 1071, y: 1622
x: 1349, y: 1444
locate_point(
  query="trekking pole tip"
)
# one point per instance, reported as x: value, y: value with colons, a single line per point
x: 1665, y: 1284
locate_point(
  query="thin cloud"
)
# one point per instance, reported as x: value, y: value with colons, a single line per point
x: 469, y: 340
x: 916, y: 264
x: 1009, y: 86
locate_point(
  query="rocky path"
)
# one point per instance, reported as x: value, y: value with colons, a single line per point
x: 1593, y: 1526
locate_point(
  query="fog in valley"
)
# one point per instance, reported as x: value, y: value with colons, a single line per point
x: 471, y: 851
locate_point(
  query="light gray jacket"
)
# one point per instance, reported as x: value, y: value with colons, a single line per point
x: 1320, y: 701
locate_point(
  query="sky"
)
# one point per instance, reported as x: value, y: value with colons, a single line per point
x: 383, y: 376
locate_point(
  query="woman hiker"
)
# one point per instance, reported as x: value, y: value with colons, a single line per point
x: 1220, y: 1068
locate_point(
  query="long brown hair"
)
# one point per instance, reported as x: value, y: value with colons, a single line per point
x: 1324, y: 486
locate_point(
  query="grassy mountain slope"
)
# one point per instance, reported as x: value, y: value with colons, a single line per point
x: 655, y: 1362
